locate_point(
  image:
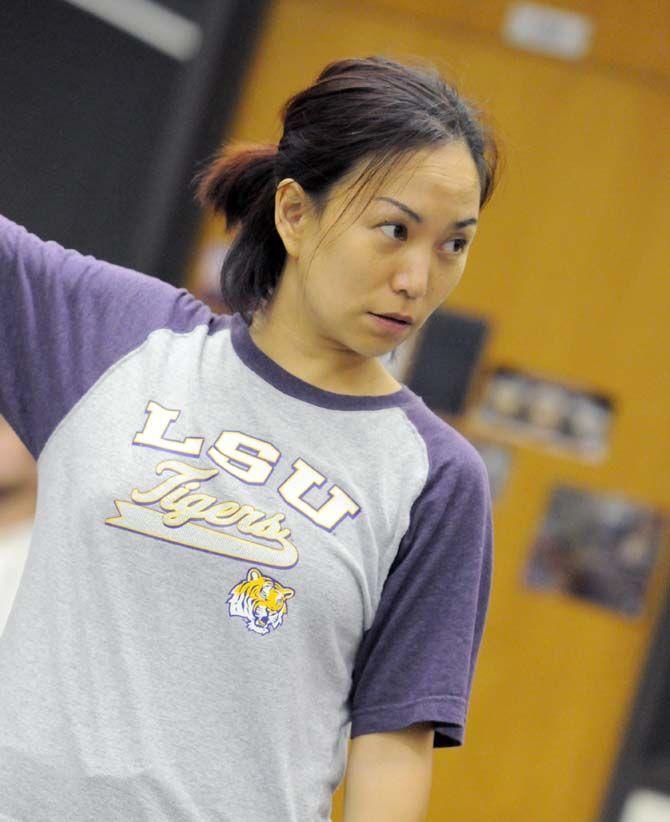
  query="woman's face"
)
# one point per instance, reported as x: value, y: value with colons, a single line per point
x: 404, y: 254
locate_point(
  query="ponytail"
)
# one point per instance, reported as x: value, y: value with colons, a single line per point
x: 240, y: 185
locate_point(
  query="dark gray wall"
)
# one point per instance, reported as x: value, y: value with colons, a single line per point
x: 100, y: 133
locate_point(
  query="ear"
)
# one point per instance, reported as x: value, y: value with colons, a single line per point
x: 292, y: 214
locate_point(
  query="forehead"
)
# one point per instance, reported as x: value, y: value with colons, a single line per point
x: 431, y: 179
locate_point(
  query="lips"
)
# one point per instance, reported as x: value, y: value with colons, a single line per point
x: 399, y: 318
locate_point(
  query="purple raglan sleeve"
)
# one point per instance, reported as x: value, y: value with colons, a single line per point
x: 65, y: 318
x: 416, y: 662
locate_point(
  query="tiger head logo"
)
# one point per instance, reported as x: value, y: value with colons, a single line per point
x: 259, y: 600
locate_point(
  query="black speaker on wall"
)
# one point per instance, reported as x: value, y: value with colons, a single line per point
x: 643, y: 762
x: 445, y: 360
x: 107, y: 108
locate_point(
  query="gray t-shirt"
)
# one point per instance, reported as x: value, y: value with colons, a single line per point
x: 231, y: 571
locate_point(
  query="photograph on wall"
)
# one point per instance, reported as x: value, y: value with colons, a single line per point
x: 525, y: 408
x: 599, y: 547
x: 497, y: 459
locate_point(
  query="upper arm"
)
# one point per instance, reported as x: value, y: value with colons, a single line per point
x: 65, y: 318
x: 389, y: 775
x: 416, y: 662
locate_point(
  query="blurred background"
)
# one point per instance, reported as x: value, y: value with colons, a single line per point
x: 551, y: 355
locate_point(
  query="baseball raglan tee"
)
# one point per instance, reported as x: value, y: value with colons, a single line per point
x: 231, y: 571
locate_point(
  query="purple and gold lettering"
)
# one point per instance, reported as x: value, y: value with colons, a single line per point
x: 332, y: 512
x: 254, y: 469
x: 157, y: 423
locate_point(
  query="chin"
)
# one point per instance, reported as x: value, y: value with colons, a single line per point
x: 379, y: 350
x: 366, y: 345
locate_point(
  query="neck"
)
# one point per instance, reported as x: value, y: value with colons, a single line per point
x: 286, y: 338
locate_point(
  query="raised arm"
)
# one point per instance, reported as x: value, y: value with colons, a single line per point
x: 65, y: 318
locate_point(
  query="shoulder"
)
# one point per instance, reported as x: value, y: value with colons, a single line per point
x: 454, y: 505
x: 448, y: 452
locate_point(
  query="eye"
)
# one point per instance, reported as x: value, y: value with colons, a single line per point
x: 393, y: 226
x: 461, y: 244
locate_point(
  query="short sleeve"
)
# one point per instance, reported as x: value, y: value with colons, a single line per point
x: 65, y: 318
x: 417, y: 660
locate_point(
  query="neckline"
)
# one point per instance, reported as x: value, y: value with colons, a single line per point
x: 273, y: 373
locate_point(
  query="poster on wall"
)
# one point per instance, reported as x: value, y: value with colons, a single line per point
x: 526, y: 408
x: 599, y: 547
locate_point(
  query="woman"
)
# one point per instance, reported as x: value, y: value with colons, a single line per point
x: 250, y: 541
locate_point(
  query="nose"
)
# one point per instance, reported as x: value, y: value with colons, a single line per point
x: 412, y: 277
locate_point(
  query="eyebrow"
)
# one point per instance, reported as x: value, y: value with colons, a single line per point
x: 419, y: 219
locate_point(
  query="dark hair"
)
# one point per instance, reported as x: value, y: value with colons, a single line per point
x: 373, y: 109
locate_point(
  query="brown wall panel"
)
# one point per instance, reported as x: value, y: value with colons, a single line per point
x: 627, y: 37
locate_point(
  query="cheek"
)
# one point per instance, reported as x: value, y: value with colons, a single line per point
x: 453, y: 275
x: 442, y: 286
x: 347, y: 268
x: 445, y: 283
